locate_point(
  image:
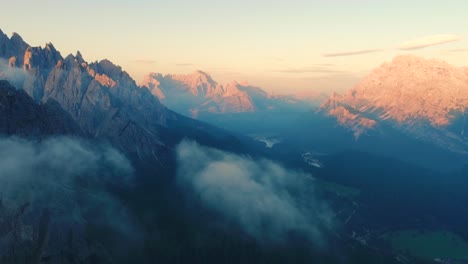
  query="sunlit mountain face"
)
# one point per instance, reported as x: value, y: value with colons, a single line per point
x: 243, y: 132
x: 198, y: 94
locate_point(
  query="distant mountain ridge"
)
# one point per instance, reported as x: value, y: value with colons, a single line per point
x: 196, y: 93
x: 423, y: 98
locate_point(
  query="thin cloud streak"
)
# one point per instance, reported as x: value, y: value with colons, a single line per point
x: 310, y: 70
x: 429, y: 41
x: 277, y: 59
x: 185, y: 64
x: 457, y: 50
x: 350, y: 53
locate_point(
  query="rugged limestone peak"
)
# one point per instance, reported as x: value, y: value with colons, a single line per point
x: 28, y: 62
x: 109, y: 67
x: 79, y: 58
x: 253, y: 91
x: 38, y: 59
x: 196, y: 93
x: 125, y: 115
x: 203, y: 77
x: 114, y: 72
x: 408, y: 92
x: 152, y: 82
x: 18, y: 40
x: 412, y: 88
x: 198, y: 83
x: 232, y: 88
x: 12, y: 47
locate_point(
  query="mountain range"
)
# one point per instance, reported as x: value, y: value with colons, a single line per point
x: 197, y: 94
x: 102, y: 99
x: 410, y: 109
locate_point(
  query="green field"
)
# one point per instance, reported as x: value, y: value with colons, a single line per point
x: 429, y: 244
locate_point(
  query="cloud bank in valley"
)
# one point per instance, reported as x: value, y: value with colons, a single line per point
x: 29, y: 169
x: 266, y: 200
x: 68, y: 179
x: 428, y: 41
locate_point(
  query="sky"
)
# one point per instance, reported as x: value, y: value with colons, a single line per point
x: 286, y: 47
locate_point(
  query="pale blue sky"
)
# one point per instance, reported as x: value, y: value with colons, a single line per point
x: 278, y: 45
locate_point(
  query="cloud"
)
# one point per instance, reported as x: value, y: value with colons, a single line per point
x: 311, y: 70
x: 16, y: 76
x: 149, y: 62
x: 265, y: 200
x: 324, y: 64
x: 350, y: 53
x: 185, y: 64
x: 428, y: 41
x: 66, y: 180
x: 277, y: 59
x: 457, y: 50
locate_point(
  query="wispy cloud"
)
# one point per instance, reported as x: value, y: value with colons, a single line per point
x: 428, y: 41
x: 324, y: 64
x: 144, y: 61
x: 277, y: 59
x: 185, y: 64
x: 310, y: 70
x: 457, y: 50
x: 350, y: 53
x: 16, y: 76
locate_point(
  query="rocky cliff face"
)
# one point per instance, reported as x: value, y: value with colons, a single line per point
x: 53, y: 95
x: 20, y: 115
x: 424, y: 98
x: 198, y: 93
x: 103, y: 99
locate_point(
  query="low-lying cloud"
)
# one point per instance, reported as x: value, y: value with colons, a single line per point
x: 68, y: 179
x: 16, y: 76
x: 428, y: 41
x: 266, y: 200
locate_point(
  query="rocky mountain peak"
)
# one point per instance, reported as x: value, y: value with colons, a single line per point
x: 17, y: 40
x: 12, y: 47
x: 408, y: 92
x: 152, y: 82
x: 79, y: 57
x: 198, y: 93
x: 125, y: 115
